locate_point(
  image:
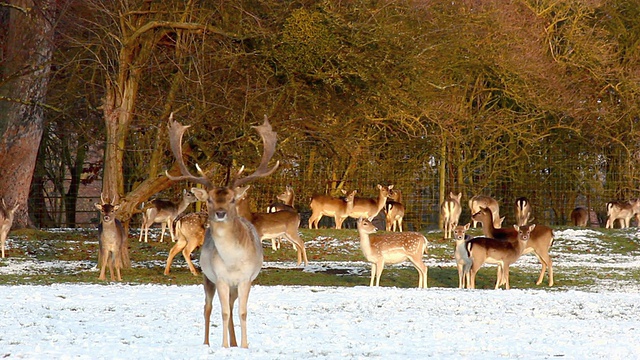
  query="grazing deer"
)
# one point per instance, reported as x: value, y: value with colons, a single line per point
x: 501, y: 252
x: 286, y: 199
x: 394, y: 210
x: 580, y: 216
x: 273, y: 225
x: 369, y: 207
x: 392, y: 248
x: 461, y: 254
x: 231, y: 256
x: 6, y: 220
x: 164, y: 212
x: 539, y: 243
x: 622, y: 211
x: 190, y: 231
x: 338, y: 208
x: 523, y: 211
x: 478, y: 201
x: 112, y: 240
x: 450, y: 211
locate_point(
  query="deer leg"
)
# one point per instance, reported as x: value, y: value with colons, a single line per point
x: 142, y: 227
x: 103, y: 264
x: 3, y: 239
x: 298, y: 244
x: 170, y: 226
x: 419, y: 265
x: 545, y: 260
x: 338, y: 221
x: 505, y: 276
x: 164, y: 225
x: 379, y: 269
x: 233, y: 296
x: 186, y: 252
x: 118, y: 264
x: 172, y: 253
x: 209, y: 292
x: 373, y: 273
x: 244, y: 289
x: 225, y: 310
x: 399, y: 221
x: 460, y: 276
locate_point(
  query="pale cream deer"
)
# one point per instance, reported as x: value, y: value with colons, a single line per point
x: 394, y: 211
x: 189, y: 230
x: 392, y: 248
x: 450, y: 211
x: 164, y: 212
x: 539, y: 243
x: 500, y: 252
x: 580, y: 216
x: 112, y: 241
x: 461, y: 255
x: 622, y: 211
x: 324, y: 205
x: 6, y: 221
x: 370, y: 207
x: 283, y: 223
x: 478, y: 201
x: 523, y: 211
x: 231, y: 256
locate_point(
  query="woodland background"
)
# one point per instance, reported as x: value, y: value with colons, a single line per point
x: 534, y: 98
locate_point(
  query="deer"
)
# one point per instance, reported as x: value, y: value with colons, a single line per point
x: 370, y: 207
x: 501, y: 252
x: 394, y: 210
x: 450, y: 211
x: 189, y: 231
x: 112, y: 240
x: 523, y: 211
x: 622, y: 211
x: 164, y: 212
x: 338, y: 208
x: 478, y: 201
x: 540, y: 241
x: 270, y: 226
x: 287, y: 199
x: 392, y: 248
x: 462, y: 256
x: 580, y: 216
x: 231, y: 256
x: 6, y: 221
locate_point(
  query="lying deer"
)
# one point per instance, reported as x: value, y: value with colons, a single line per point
x: 523, y: 211
x: 392, y: 248
x: 540, y: 242
x: 112, y: 241
x: 189, y: 230
x: 394, y: 210
x: 478, y: 201
x: 6, y: 220
x: 462, y: 256
x: 450, y: 211
x: 164, y: 212
x: 500, y: 252
x: 326, y: 205
x: 231, y: 256
x: 273, y: 225
x: 622, y: 211
x: 370, y: 207
x: 580, y: 216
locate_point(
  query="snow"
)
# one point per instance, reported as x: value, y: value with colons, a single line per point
x: 121, y: 321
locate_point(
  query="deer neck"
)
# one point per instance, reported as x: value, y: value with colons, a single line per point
x: 182, y: 205
x: 365, y: 244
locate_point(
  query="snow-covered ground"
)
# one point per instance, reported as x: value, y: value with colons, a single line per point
x: 120, y: 321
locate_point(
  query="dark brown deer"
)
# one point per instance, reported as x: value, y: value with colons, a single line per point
x: 112, y: 241
x: 231, y: 256
x: 6, y: 220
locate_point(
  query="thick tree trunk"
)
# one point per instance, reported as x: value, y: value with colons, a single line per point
x: 29, y: 50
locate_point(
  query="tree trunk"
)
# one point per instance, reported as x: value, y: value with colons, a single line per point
x: 28, y: 52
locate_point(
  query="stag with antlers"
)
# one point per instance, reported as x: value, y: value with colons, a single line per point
x: 231, y: 256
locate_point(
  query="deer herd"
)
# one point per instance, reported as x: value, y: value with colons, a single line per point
x: 230, y: 235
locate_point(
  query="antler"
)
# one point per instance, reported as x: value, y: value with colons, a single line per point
x: 176, y: 130
x: 269, y: 138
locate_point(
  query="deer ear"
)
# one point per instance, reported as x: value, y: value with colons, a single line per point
x: 98, y: 206
x: 201, y: 194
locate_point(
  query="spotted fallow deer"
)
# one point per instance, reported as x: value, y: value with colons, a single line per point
x: 394, y: 210
x: 231, y: 256
x: 580, y: 216
x: 6, y: 221
x: 392, y: 248
x: 500, y: 252
x: 112, y: 241
x: 189, y: 231
x: 523, y: 211
x: 478, y: 201
x: 539, y: 243
x: 461, y: 255
x: 622, y: 211
x: 450, y: 211
x: 164, y: 212
x: 338, y: 208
